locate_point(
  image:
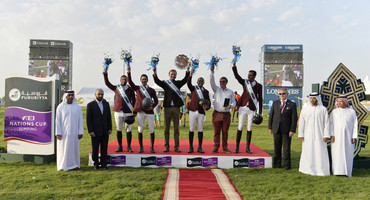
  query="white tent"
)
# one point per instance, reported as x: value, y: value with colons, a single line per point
x: 367, y: 84
x: 85, y: 95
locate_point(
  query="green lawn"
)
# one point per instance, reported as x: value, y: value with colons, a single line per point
x: 32, y: 181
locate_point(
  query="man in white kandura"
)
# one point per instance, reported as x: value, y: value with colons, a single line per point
x: 314, y: 133
x: 69, y: 130
x: 343, y: 131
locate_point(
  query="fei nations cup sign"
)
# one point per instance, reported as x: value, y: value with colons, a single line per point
x: 29, y: 114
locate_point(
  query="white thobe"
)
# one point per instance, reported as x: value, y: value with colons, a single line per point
x: 344, y: 126
x: 313, y: 127
x: 69, y: 124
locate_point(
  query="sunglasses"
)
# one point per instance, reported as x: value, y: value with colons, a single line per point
x: 282, y: 93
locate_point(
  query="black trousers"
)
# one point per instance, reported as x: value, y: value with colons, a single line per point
x: 102, y: 141
x: 282, y: 140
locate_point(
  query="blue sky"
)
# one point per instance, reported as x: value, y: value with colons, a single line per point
x: 331, y: 32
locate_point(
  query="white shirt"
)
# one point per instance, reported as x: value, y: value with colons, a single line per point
x: 220, y: 96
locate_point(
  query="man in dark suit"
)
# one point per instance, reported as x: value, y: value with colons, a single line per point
x: 99, y: 126
x: 283, y: 124
x: 172, y: 102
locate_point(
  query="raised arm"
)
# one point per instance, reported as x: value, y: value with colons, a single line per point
x: 212, y: 80
x: 107, y: 82
x: 236, y: 75
x: 132, y: 84
x: 156, y: 79
x: 185, y: 79
x: 190, y: 86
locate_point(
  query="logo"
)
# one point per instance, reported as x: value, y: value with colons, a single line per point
x: 164, y: 161
x: 239, y: 163
x: 194, y: 162
x: 28, y: 118
x: 257, y: 163
x: 80, y: 100
x: 146, y: 161
x: 210, y: 162
x: 14, y: 94
x: 117, y: 160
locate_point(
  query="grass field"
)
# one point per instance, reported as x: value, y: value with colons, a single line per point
x: 32, y: 181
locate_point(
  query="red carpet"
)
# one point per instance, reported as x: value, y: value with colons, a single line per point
x: 184, y: 146
x: 201, y: 184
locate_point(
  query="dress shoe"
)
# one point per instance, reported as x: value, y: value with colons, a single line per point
x: 287, y: 168
x: 119, y: 149
x: 190, y: 149
x: 166, y: 149
x: 226, y: 150
x: 215, y: 150
x: 105, y: 168
x: 96, y: 167
x: 129, y: 149
x: 177, y: 150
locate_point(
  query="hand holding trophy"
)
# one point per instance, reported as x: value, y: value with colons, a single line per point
x: 181, y: 61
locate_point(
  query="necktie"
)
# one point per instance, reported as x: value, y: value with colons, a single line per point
x: 282, y: 107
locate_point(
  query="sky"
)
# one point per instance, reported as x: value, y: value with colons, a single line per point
x: 331, y: 32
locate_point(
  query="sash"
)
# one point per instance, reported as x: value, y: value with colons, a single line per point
x: 251, y: 93
x: 199, y: 92
x: 145, y: 92
x: 174, y: 89
x: 124, y: 97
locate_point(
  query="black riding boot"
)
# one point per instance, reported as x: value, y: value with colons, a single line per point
x: 191, y: 138
x: 152, y: 137
x: 249, y: 138
x: 119, y: 140
x: 238, y: 137
x: 140, y: 137
x: 129, y: 138
x: 200, y: 140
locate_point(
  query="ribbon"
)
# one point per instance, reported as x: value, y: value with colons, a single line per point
x: 195, y: 64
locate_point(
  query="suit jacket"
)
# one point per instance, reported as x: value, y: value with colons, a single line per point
x: 286, y: 121
x: 244, y: 99
x: 96, y: 121
x: 170, y: 95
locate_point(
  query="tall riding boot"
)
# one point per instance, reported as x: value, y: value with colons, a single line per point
x: 191, y: 138
x: 152, y: 137
x: 140, y: 137
x: 129, y: 138
x: 238, y: 137
x: 200, y: 140
x: 249, y: 138
x: 119, y: 140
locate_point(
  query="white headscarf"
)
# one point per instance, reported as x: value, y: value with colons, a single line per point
x: 317, y: 96
x: 65, y: 98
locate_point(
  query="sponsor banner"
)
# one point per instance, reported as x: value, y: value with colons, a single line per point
x: 164, y: 161
x: 272, y: 94
x: 210, y: 162
x: 241, y: 163
x: 49, y: 43
x: 257, y: 163
x: 147, y: 161
x: 28, y: 126
x: 28, y: 93
x: 117, y: 160
x: 283, y: 48
x: 194, y: 162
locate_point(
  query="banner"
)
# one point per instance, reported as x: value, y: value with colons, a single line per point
x: 29, y: 114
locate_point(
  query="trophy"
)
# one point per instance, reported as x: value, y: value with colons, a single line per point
x: 181, y: 61
x: 126, y: 57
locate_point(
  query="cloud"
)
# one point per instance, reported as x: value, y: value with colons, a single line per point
x: 257, y: 19
x: 290, y: 14
x: 337, y: 18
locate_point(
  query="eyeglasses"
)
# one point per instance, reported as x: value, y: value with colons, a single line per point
x: 282, y: 93
x: 222, y: 81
